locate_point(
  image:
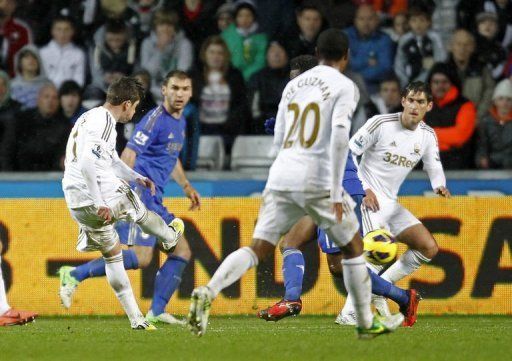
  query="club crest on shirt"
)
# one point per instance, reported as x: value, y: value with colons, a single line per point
x: 417, y: 148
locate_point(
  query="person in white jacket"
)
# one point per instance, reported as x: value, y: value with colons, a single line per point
x: 62, y: 59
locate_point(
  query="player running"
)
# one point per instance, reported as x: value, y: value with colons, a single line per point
x: 389, y: 147
x: 97, y: 194
x: 152, y: 151
x: 306, y: 231
x: 312, y: 129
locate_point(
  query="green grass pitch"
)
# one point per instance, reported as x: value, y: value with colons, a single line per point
x: 248, y: 338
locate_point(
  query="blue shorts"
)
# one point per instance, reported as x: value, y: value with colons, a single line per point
x: 326, y: 245
x: 130, y: 233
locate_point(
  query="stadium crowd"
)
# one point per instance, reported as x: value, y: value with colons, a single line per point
x: 58, y: 58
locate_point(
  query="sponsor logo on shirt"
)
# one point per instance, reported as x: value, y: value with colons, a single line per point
x: 97, y: 151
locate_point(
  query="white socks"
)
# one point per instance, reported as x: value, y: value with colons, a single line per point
x: 4, y: 306
x: 153, y: 224
x: 409, y: 262
x: 232, y: 269
x: 358, y: 285
x: 118, y: 280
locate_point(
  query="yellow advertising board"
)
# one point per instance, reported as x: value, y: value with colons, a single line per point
x: 471, y: 274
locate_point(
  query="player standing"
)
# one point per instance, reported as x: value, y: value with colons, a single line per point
x: 389, y: 147
x: 305, y: 231
x: 97, y: 194
x: 152, y: 151
x: 311, y: 133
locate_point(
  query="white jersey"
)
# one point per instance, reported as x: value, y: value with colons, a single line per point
x: 390, y: 152
x: 311, y: 105
x: 94, y: 132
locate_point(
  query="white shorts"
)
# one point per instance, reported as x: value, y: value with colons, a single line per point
x: 279, y: 211
x: 391, y: 216
x: 94, y: 234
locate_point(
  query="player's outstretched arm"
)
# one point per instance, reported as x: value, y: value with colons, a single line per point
x: 339, y: 153
x: 123, y: 171
x: 178, y: 174
x: 434, y: 168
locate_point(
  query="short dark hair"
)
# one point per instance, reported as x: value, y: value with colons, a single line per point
x: 180, y: 74
x: 124, y: 89
x: 390, y: 77
x: 332, y: 44
x: 63, y: 19
x: 308, y: 5
x: 115, y: 26
x: 70, y: 87
x: 418, y: 87
x: 418, y: 11
x: 303, y: 63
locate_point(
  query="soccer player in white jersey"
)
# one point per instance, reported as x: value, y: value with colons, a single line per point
x: 97, y: 193
x: 389, y: 147
x: 311, y: 133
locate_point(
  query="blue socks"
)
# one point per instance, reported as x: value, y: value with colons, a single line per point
x: 167, y: 280
x: 293, y: 273
x: 381, y: 287
x: 96, y: 268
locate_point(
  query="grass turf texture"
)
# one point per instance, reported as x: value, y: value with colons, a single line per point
x: 248, y: 338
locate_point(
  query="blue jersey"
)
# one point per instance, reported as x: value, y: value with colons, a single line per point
x: 157, y: 140
x: 351, y: 181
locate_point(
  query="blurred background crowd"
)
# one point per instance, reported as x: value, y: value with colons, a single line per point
x: 58, y: 57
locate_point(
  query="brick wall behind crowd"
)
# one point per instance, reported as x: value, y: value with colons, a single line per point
x: 471, y: 274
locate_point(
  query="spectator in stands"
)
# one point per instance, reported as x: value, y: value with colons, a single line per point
x: 41, y: 134
x: 62, y: 59
x: 387, y: 9
x: 371, y: 49
x: 30, y: 76
x: 502, y: 8
x: 9, y: 110
x: 301, y: 39
x: 400, y: 27
x: 266, y: 87
x: 166, y: 49
x: 275, y: 16
x: 338, y: 14
x: 444, y: 17
x: 112, y: 10
x: 220, y: 93
x: 114, y: 56
x: 147, y: 103
x: 146, y: 9
x: 419, y: 49
x: 14, y: 35
x: 476, y: 79
x: 490, y: 51
x: 224, y: 17
x: 70, y: 98
x: 245, y: 43
x: 453, y: 118
x: 495, y: 130
x: 389, y: 98
x: 198, y: 19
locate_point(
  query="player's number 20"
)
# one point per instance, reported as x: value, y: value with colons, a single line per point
x: 299, y: 121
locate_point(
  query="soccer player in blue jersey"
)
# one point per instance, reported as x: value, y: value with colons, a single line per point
x: 152, y: 151
x: 305, y: 231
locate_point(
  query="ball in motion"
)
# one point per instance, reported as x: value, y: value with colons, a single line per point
x: 379, y: 247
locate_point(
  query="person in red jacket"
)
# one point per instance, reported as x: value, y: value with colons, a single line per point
x: 15, y: 34
x: 453, y: 118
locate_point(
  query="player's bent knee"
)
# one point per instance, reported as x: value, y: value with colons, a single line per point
x: 183, y: 249
x: 144, y: 255
x: 262, y: 248
x: 430, y: 251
